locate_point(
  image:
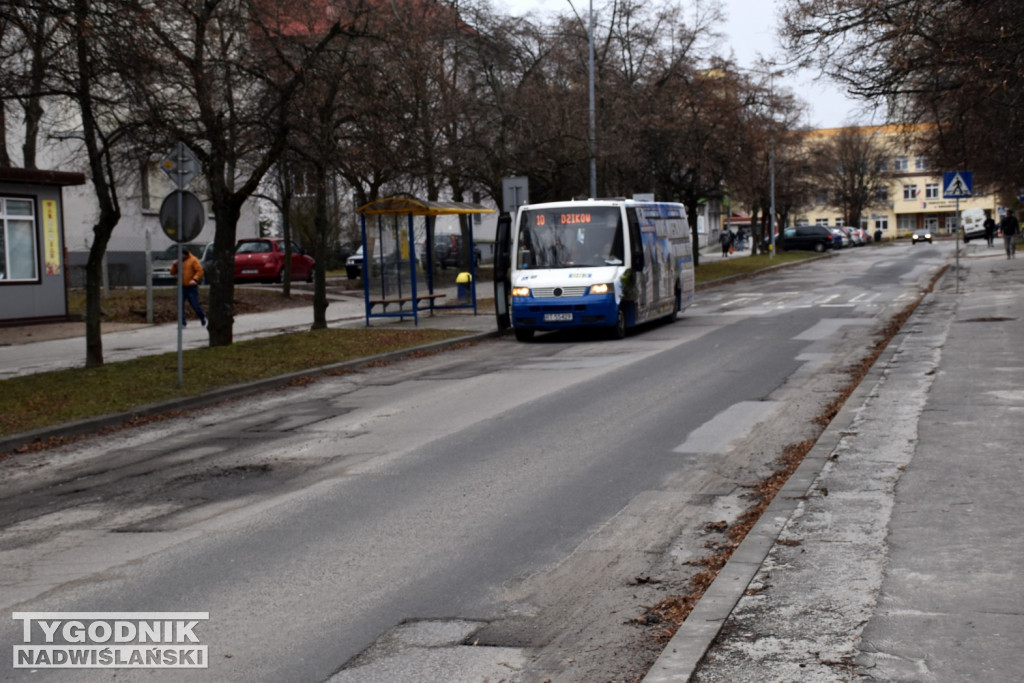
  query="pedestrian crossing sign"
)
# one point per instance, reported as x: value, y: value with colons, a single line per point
x: 957, y: 184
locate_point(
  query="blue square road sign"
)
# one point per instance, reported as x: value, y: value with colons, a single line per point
x: 957, y: 184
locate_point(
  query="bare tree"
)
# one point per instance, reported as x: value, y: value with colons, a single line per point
x: 955, y: 65
x: 229, y: 76
x: 850, y: 167
x: 81, y: 43
x: 30, y: 41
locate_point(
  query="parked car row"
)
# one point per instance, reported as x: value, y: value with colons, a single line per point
x: 845, y: 236
x: 262, y: 259
x: 259, y: 259
x: 810, y: 237
x: 447, y: 252
x: 820, y: 237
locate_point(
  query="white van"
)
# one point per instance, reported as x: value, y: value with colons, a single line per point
x: 973, y: 224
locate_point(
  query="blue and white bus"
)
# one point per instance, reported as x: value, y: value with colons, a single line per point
x: 606, y: 264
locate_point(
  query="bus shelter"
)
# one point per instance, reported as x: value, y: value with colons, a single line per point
x: 402, y: 271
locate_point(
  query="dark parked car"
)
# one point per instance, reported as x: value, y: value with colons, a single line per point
x: 448, y: 251
x: 354, y: 264
x: 262, y: 259
x: 814, y: 237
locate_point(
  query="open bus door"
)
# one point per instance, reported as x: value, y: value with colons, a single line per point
x: 502, y: 270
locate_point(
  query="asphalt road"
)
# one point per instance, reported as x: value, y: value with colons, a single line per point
x: 507, y: 494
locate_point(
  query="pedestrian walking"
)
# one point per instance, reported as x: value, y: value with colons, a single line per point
x: 1010, y: 227
x: 725, y: 237
x: 191, y: 275
x: 990, y: 229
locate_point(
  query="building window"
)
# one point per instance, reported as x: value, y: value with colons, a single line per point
x: 921, y: 163
x: 910, y: 191
x: 906, y: 223
x: 839, y: 220
x: 882, y: 165
x: 931, y: 191
x: 19, y: 257
x: 821, y: 221
x: 900, y: 164
x: 882, y: 193
x: 821, y: 197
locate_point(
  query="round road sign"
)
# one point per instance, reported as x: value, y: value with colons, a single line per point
x: 193, y: 216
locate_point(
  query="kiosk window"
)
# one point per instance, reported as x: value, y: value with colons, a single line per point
x: 19, y: 257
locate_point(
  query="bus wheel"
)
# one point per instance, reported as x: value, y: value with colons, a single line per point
x: 619, y: 331
x: 523, y: 335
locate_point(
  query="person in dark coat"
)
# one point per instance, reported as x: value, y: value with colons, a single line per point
x: 725, y: 237
x: 1010, y: 227
x: 990, y: 229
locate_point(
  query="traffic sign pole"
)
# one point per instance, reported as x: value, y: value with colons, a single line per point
x: 181, y: 294
x: 957, y: 185
x: 958, y: 220
x: 181, y: 165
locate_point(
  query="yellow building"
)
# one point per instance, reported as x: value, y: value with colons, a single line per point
x: 913, y: 198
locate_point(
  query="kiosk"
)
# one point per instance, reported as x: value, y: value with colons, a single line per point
x: 33, y: 268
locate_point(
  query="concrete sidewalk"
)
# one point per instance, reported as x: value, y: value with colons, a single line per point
x: 894, y: 552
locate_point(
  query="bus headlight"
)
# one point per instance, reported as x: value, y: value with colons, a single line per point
x: 601, y: 289
x: 520, y: 291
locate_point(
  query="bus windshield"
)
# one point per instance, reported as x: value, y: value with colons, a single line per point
x: 568, y: 237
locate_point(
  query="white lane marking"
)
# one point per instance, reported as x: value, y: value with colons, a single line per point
x: 732, y: 424
x: 829, y: 326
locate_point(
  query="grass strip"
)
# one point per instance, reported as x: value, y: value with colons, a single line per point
x: 709, y: 270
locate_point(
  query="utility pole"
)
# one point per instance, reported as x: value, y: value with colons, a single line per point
x: 593, y: 113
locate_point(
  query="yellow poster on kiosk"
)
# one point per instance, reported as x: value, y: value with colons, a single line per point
x: 51, y: 237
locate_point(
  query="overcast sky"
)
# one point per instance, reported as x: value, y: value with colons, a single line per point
x: 749, y: 31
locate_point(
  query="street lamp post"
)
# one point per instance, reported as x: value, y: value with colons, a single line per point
x: 593, y: 115
x: 771, y: 181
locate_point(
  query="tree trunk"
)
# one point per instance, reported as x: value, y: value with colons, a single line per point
x: 94, y: 292
x: 691, y: 215
x: 93, y: 310
x: 220, y: 325
x: 286, y: 230
x: 755, y: 233
x: 320, y: 251
x: 5, y: 158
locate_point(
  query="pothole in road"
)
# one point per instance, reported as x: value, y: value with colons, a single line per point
x: 240, y: 471
x: 988, y: 319
x: 432, y: 649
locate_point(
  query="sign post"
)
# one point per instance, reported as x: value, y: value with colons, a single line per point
x: 957, y: 185
x: 181, y: 165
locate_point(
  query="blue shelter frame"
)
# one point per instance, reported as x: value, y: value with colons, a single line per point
x: 392, y: 268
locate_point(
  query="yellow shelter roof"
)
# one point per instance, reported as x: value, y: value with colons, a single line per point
x: 419, y: 207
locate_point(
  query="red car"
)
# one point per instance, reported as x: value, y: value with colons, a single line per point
x: 263, y: 259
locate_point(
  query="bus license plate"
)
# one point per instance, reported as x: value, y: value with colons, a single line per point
x: 558, y: 317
